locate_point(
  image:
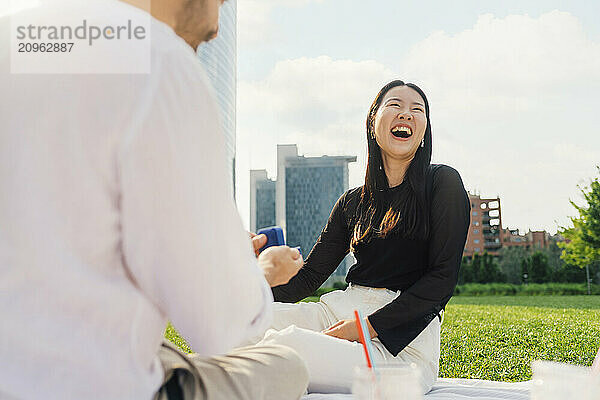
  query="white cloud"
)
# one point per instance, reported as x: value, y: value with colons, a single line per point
x: 513, y: 106
x: 254, y: 24
x: 513, y: 103
x: 310, y: 93
x: 510, y: 64
x: 319, y: 103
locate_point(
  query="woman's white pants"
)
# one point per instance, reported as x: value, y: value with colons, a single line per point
x: 330, y: 360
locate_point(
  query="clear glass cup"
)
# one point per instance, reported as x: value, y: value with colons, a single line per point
x: 387, y: 382
x: 558, y: 381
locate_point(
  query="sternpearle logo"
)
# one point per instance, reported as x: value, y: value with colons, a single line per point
x: 91, y: 36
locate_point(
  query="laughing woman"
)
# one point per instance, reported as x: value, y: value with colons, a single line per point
x: 407, y: 227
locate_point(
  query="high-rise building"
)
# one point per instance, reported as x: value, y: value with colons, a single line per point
x: 219, y: 58
x: 486, y: 233
x: 305, y: 192
x: 262, y: 200
x: 307, y: 189
x: 486, y: 226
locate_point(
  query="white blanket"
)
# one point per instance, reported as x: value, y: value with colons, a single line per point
x: 458, y: 389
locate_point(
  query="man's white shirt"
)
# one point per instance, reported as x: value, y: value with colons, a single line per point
x: 116, y: 216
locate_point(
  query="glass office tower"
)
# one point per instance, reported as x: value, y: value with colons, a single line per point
x: 219, y: 58
x: 306, y: 191
x: 300, y: 199
x: 262, y: 200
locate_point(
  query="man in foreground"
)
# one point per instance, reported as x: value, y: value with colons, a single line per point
x: 116, y: 217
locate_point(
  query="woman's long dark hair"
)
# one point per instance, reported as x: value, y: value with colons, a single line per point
x: 380, y: 214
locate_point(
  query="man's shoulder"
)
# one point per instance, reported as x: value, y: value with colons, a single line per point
x: 174, y: 61
x: 165, y: 43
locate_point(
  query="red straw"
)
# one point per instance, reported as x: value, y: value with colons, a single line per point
x: 362, y: 339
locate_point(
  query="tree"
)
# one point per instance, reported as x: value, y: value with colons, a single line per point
x: 569, y: 274
x: 536, y: 267
x: 577, y: 251
x: 553, y: 253
x: 583, y: 239
x: 475, y: 269
x: 464, y: 273
x: 481, y: 269
x: 489, y: 270
x: 510, y: 263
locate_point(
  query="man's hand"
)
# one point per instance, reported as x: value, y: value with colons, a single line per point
x: 258, y: 241
x: 280, y: 264
x: 347, y: 329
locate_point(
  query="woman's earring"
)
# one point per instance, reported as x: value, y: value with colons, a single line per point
x: 423, y: 142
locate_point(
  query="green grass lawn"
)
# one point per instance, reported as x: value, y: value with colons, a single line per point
x: 497, y: 337
x: 173, y: 336
x: 566, y: 302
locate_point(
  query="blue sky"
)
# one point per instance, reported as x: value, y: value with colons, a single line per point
x: 356, y: 29
x: 513, y: 88
x: 512, y: 85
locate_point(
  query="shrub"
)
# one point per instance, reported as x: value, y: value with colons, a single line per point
x: 534, y: 289
x: 537, y: 268
x: 480, y: 269
x: 486, y: 289
x: 569, y: 273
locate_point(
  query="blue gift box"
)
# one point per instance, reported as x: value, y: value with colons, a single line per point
x: 274, y: 236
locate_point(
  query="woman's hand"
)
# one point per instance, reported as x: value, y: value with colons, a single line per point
x: 346, y: 329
